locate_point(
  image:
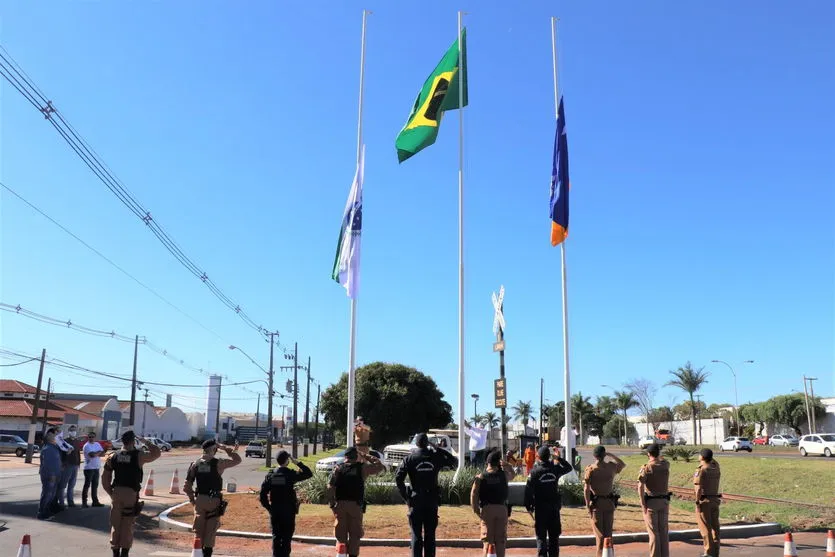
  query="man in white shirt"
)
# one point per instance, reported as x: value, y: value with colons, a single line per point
x: 92, y: 464
x: 478, y: 442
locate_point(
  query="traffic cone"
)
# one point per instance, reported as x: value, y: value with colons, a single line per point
x: 789, y: 549
x: 341, y: 550
x: 25, y: 547
x: 198, y: 548
x: 830, y: 544
x: 175, y: 483
x: 608, y: 548
x: 491, y: 550
x: 149, y: 487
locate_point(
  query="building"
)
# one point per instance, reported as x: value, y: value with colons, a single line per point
x: 213, y: 403
x: 16, y: 406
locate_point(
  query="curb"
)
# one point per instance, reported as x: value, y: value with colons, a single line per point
x: 728, y: 533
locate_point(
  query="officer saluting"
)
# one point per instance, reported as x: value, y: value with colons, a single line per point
x: 422, y: 466
x: 346, y: 495
x: 278, y: 496
x: 542, y: 498
x: 598, y: 491
x: 654, y: 494
x: 122, y: 480
x: 488, y: 499
x: 708, y: 498
x: 208, y: 502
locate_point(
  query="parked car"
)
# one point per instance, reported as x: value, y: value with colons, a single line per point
x: 817, y: 443
x: 255, y: 448
x: 647, y: 440
x: 783, y: 441
x: 330, y: 463
x: 761, y: 440
x: 736, y: 444
x: 681, y: 441
x: 14, y: 444
x: 163, y: 446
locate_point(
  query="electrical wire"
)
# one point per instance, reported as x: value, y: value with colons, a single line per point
x: 20, y: 363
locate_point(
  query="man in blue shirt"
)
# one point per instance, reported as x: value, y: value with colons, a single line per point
x: 50, y: 471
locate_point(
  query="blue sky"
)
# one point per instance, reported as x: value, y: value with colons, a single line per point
x: 701, y: 164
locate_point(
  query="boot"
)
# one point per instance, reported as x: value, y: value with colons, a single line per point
x: 125, y: 552
x: 207, y: 551
x: 115, y: 552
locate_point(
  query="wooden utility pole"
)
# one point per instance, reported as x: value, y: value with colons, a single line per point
x: 307, y: 408
x: 46, y: 406
x: 133, y: 382
x: 33, y: 424
x: 316, y: 416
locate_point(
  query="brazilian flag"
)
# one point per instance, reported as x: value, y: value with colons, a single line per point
x: 439, y: 94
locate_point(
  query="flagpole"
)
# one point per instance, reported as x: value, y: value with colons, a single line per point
x: 568, y: 442
x: 352, y: 350
x: 461, y: 398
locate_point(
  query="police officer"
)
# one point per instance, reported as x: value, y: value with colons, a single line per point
x: 208, y: 500
x: 422, y: 466
x: 278, y: 496
x: 706, y: 480
x: 488, y: 499
x: 598, y: 492
x: 122, y: 480
x: 654, y: 494
x: 346, y: 496
x: 542, y: 499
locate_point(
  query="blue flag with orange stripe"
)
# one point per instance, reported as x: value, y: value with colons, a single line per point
x: 559, y: 182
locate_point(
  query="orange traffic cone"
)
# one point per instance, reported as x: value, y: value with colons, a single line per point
x: 789, y: 549
x: 149, y: 487
x: 197, y: 550
x: 491, y: 550
x: 175, y: 483
x: 341, y: 550
x: 830, y: 544
x: 25, y: 547
x: 608, y: 548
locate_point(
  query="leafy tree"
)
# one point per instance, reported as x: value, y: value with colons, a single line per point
x: 490, y: 420
x: 581, y: 408
x: 682, y: 411
x: 689, y: 380
x: 752, y: 413
x: 522, y: 411
x: 478, y: 419
x: 554, y: 414
x: 604, y: 409
x: 790, y: 410
x: 614, y: 428
x: 395, y: 400
x: 625, y: 400
x: 659, y: 415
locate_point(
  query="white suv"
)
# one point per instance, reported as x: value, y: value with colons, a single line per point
x: 736, y: 444
x: 818, y: 443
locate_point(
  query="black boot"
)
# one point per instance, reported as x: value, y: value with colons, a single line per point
x: 115, y: 552
x: 125, y: 552
x: 207, y: 551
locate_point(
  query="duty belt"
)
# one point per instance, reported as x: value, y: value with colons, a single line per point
x: 667, y: 496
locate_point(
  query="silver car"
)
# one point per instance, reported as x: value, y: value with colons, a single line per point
x: 13, y: 444
x: 783, y: 441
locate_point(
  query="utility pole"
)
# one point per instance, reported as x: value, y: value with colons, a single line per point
x: 316, y: 417
x: 808, y: 411
x: 30, y: 449
x: 217, y: 416
x: 295, y: 399
x: 46, y: 406
x: 133, y: 382
x: 257, y: 412
x: 307, y: 407
x: 270, y: 404
x: 812, y: 404
x: 541, y: 402
x: 145, y: 409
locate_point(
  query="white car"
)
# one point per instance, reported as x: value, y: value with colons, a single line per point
x: 736, y: 444
x: 163, y: 445
x: 817, y: 443
x: 783, y: 441
x: 330, y: 463
x: 648, y: 440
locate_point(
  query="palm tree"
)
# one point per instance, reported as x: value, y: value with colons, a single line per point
x: 478, y: 419
x: 581, y: 405
x: 522, y: 411
x: 491, y: 420
x: 625, y: 400
x: 689, y: 380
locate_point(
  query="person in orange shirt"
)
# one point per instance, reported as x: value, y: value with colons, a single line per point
x: 530, y: 459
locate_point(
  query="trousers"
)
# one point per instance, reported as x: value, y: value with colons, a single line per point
x: 657, y: 519
x: 283, y: 522
x: 423, y: 521
x: 49, y: 486
x: 347, y: 527
x: 707, y: 516
x: 122, y: 516
x: 548, y: 528
x: 91, y: 481
x: 67, y: 484
x: 494, y: 527
x: 602, y: 522
x: 206, y: 519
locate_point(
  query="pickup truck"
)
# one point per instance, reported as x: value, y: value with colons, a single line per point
x: 394, y: 454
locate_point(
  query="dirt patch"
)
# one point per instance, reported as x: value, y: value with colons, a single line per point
x: 389, y: 521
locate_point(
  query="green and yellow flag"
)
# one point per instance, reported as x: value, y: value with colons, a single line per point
x: 439, y: 94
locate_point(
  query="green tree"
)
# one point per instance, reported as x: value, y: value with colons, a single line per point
x: 690, y: 381
x: 581, y: 408
x: 478, y: 419
x: 554, y: 414
x: 625, y: 400
x: 614, y: 428
x: 395, y: 400
x: 490, y: 420
x: 790, y: 410
x: 682, y: 411
x: 522, y: 411
x: 603, y: 411
x: 752, y: 413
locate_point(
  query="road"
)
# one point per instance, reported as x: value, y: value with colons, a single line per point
x: 792, y: 454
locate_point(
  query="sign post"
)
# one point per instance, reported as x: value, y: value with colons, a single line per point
x: 499, y: 346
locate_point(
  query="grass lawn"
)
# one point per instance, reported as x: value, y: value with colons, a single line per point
x: 309, y: 460
x: 389, y: 521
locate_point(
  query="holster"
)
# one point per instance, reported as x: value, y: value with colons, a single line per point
x: 135, y: 510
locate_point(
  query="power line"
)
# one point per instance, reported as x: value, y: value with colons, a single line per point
x: 18, y: 78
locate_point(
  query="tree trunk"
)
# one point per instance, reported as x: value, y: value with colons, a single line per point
x: 581, y: 429
x: 625, y: 442
x: 693, y: 418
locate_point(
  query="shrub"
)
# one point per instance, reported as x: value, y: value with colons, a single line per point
x: 683, y: 453
x: 457, y: 492
x: 572, y: 494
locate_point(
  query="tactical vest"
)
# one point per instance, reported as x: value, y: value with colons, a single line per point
x: 209, y: 481
x: 493, y: 489
x: 127, y: 472
x: 349, y: 483
x: 545, y: 484
x: 282, y: 492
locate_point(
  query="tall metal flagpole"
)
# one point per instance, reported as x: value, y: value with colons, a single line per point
x: 461, y: 398
x: 352, y: 349
x: 568, y: 442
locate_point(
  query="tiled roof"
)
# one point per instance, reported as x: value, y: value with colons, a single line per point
x: 23, y: 409
x: 13, y: 386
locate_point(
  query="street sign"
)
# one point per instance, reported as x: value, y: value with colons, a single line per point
x: 498, y: 346
x: 498, y: 319
x: 500, y: 393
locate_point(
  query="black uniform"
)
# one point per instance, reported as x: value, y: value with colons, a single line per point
x: 278, y: 496
x: 423, y: 467
x: 542, y: 497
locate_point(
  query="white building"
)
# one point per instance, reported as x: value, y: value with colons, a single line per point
x: 213, y: 402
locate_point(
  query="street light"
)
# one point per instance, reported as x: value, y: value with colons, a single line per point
x: 475, y: 405
x: 736, y: 396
